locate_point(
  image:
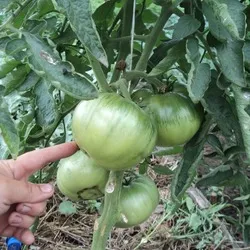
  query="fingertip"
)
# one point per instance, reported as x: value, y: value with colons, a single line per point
x: 27, y: 237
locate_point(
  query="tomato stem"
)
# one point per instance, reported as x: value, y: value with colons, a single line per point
x: 166, y: 12
x: 99, y: 74
x: 111, y: 211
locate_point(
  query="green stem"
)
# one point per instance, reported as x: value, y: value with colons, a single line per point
x: 99, y: 74
x: 124, y: 44
x: 242, y: 101
x: 128, y: 38
x: 111, y: 211
x: 166, y: 12
x: 16, y: 13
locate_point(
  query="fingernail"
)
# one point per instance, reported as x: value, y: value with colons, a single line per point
x: 25, y: 209
x: 16, y: 220
x: 46, y: 188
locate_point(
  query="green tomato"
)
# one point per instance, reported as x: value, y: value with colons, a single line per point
x: 114, y: 131
x: 138, y: 201
x: 79, y: 177
x: 177, y: 118
x: 141, y: 97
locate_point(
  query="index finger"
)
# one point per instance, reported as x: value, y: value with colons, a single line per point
x: 30, y: 162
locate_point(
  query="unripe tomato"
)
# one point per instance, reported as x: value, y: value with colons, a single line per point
x: 138, y: 201
x: 114, y: 131
x: 141, y: 97
x: 177, y: 118
x: 79, y: 177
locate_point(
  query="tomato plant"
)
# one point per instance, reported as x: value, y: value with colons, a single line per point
x: 138, y: 200
x: 50, y: 61
x: 114, y: 131
x: 79, y: 177
x: 176, y: 117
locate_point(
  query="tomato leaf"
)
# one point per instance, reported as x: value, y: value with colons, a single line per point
x: 14, y: 79
x: 246, y: 53
x: 192, y: 154
x: 67, y: 208
x: 185, y: 26
x: 215, y: 143
x: 199, y: 75
x: 174, y: 54
x: 215, y: 104
x: 230, y: 56
x: 14, y: 46
x: 216, y: 177
x: 29, y: 82
x: 44, y: 7
x: 162, y: 170
x: 59, y: 73
x: 226, y: 18
x: 47, y: 113
x: 9, y: 132
x: 79, y: 12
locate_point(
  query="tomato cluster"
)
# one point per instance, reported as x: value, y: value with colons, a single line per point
x: 115, y: 134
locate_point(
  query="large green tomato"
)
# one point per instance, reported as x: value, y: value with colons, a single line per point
x: 114, y: 131
x: 141, y: 97
x: 176, y: 116
x: 138, y: 201
x: 78, y: 177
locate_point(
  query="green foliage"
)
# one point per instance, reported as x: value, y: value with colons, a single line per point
x: 55, y: 53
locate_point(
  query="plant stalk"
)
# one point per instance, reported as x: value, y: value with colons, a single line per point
x: 110, y: 213
x: 99, y: 74
x: 166, y: 12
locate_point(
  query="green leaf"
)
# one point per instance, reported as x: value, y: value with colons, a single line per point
x: 44, y: 7
x: 247, y: 109
x: 195, y: 221
x: 185, y: 26
x: 230, y: 56
x: 19, y: 19
x: 215, y: 143
x: 29, y: 82
x: 143, y: 167
x: 192, y: 154
x: 226, y: 18
x: 49, y: 65
x: 9, y: 132
x: 67, y: 208
x: 242, y: 198
x: 14, y: 46
x: 232, y: 152
x: 79, y: 12
x: 14, y: 79
x: 5, y: 3
x: 217, y: 177
x: 164, y: 170
x: 218, y: 106
x: 3, y: 42
x: 246, y: 53
x: 6, y: 65
x: 4, y: 151
x: 174, y: 54
x: 47, y: 113
x: 199, y: 75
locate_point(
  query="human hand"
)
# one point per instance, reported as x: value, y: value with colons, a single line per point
x: 21, y: 201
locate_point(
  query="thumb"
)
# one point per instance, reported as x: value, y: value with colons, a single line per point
x: 22, y: 191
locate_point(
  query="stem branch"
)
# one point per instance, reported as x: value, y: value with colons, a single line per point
x: 111, y: 210
x: 151, y: 39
